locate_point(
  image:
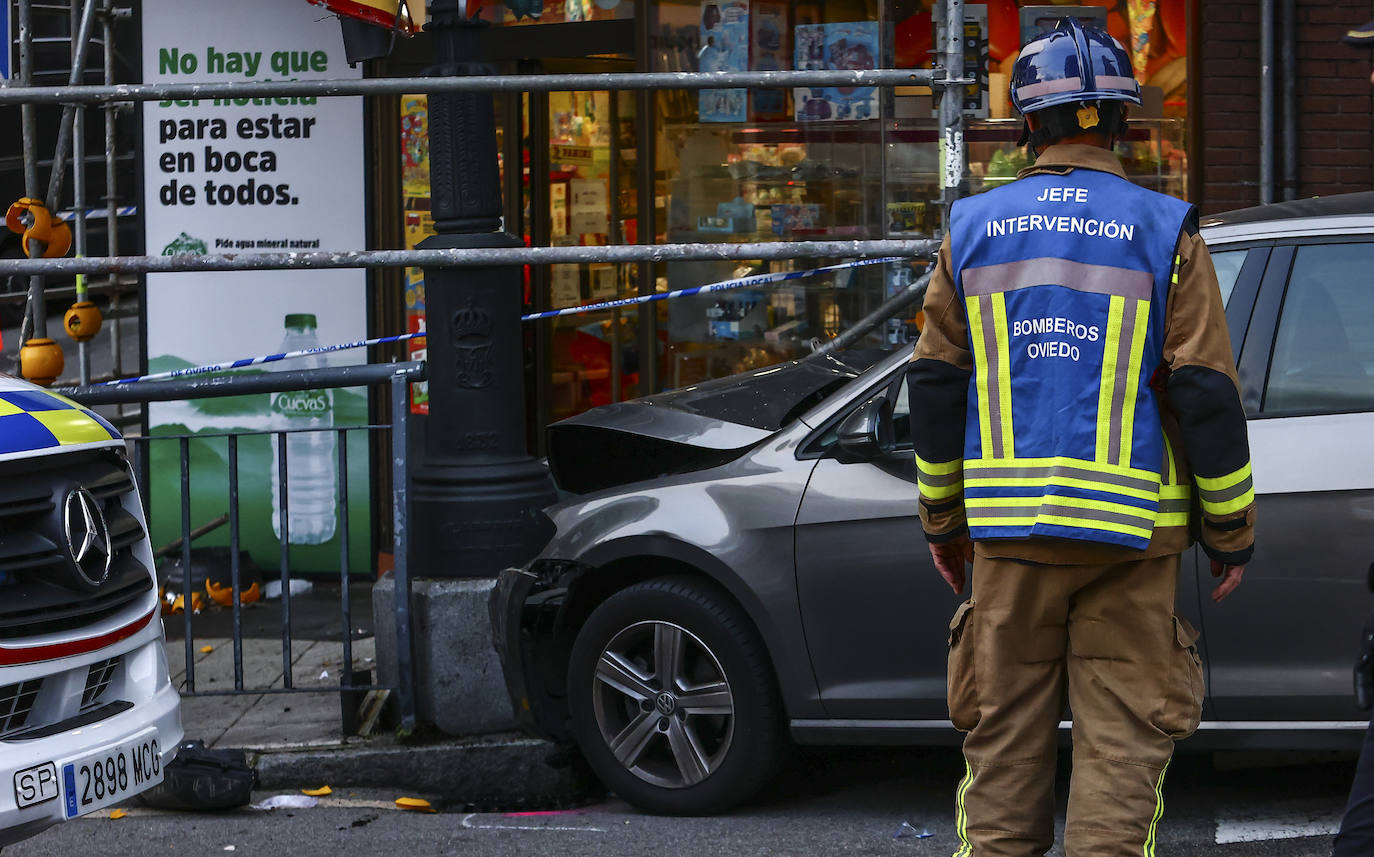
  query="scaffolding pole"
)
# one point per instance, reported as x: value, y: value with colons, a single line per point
x: 470, y: 258
x: 72, y: 95
x: 111, y: 97
x: 83, y: 357
x: 29, y: 125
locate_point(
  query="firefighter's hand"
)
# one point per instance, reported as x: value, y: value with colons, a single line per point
x: 949, y: 560
x: 1230, y: 578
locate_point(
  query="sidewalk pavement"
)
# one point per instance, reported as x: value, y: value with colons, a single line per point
x: 295, y: 740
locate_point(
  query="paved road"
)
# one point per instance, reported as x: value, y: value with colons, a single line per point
x: 831, y: 802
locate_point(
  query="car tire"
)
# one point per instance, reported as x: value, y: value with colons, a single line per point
x: 710, y: 738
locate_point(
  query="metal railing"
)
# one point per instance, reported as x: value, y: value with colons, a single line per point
x: 397, y: 376
x: 943, y: 79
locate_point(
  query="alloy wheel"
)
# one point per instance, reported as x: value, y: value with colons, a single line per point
x: 663, y: 704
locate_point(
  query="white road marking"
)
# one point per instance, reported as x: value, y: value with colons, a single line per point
x: 1287, y: 824
x: 470, y: 825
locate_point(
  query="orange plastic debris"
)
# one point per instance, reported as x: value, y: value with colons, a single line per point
x: 413, y: 804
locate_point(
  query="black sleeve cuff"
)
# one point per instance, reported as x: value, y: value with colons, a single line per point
x: 947, y: 537
x: 1240, y: 557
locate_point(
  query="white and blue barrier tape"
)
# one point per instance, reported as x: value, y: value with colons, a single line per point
x: 95, y: 213
x: 724, y: 285
x: 266, y: 358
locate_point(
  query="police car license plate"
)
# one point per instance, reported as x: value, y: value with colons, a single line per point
x: 107, y: 776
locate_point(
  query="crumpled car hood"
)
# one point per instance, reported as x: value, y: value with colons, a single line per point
x: 694, y: 428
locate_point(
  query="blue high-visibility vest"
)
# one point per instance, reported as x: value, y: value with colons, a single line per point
x: 1065, y: 279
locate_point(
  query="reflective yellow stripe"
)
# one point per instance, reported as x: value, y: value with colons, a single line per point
x: 999, y: 319
x: 1062, y: 520
x: 1058, y: 500
x: 71, y: 426
x: 1142, y: 319
x: 939, y: 492
x: 943, y: 468
x: 975, y: 330
x: 939, y: 481
x: 1229, y: 506
x: 960, y: 815
x: 1223, y: 495
x: 1178, y: 263
x: 1031, y: 482
x: 1171, y: 470
x: 1108, y: 382
x: 1149, y: 849
x: 988, y: 463
x: 1221, y: 483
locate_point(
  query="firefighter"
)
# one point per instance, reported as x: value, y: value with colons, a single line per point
x: 1071, y: 393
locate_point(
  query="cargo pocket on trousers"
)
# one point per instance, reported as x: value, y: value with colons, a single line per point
x: 963, y: 685
x: 1183, y: 696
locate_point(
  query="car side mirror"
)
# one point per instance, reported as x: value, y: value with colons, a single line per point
x: 866, y: 434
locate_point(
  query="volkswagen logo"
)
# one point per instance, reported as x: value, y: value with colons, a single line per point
x: 666, y: 703
x: 88, y: 536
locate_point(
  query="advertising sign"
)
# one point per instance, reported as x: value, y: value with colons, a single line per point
x: 254, y: 175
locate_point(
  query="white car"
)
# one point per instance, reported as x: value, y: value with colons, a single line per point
x: 88, y: 714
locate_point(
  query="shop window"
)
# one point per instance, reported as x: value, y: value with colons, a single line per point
x: 836, y: 163
x: 1323, y: 359
x: 529, y: 12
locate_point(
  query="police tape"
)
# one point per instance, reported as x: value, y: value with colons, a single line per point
x: 211, y: 368
x: 94, y: 213
x: 724, y: 285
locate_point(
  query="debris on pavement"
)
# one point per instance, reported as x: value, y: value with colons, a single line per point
x: 117, y: 814
x: 414, y: 804
x: 907, y: 831
x: 287, y: 802
x: 319, y: 792
x: 203, y: 779
x: 272, y: 588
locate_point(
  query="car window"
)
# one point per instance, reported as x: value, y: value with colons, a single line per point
x: 901, y: 416
x: 1228, y: 263
x: 1323, y: 357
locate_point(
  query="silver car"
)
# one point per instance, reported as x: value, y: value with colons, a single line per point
x: 740, y: 563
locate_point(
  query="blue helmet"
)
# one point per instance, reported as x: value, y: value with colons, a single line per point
x: 1070, y: 64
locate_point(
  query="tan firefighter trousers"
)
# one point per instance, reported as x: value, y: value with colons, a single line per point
x: 1105, y: 640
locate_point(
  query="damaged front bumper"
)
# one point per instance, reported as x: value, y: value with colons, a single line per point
x: 531, y: 638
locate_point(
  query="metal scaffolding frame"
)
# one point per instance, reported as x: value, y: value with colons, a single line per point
x: 70, y: 151
x: 109, y: 96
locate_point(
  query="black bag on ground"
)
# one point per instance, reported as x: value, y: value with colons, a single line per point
x: 203, y: 779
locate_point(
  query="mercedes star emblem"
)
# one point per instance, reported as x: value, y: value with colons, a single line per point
x: 88, y: 537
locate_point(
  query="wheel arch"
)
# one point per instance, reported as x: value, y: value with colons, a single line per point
x: 614, y: 566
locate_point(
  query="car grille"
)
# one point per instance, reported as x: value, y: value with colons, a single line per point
x: 31, y: 601
x: 16, y: 701
x: 98, y: 679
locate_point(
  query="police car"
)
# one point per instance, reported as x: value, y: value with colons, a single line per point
x: 88, y: 715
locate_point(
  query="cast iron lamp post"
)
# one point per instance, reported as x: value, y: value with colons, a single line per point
x: 476, y: 491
